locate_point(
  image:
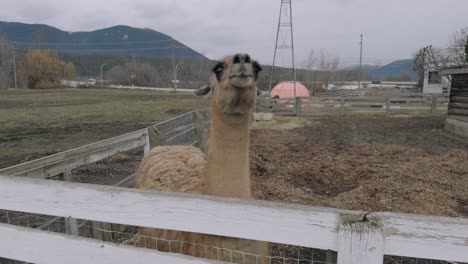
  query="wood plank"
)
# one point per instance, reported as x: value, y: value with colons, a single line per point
x: 420, y: 236
x: 126, y: 182
x: 459, y: 93
x: 454, y: 71
x: 56, y: 168
x: 365, y: 98
x: 36, y: 246
x: 459, y: 99
x: 458, y: 105
x: 266, y: 221
x: 80, y: 151
x: 360, y: 242
x: 456, y: 111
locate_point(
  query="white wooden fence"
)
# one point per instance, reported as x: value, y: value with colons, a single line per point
x: 359, y: 237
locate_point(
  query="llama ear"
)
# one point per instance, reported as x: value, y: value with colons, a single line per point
x: 257, y: 69
x: 204, y: 91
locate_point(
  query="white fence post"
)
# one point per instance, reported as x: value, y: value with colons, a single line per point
x: 387, y: 104
x: 71, y: 224
x: 360, y: 242
x: 434, y: 103
x: 147, y: 147
x: 342, y: 105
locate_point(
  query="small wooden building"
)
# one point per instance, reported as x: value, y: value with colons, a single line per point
x: 457, y: 119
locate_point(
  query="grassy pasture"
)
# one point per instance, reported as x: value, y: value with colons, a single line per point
x: 35, y: 123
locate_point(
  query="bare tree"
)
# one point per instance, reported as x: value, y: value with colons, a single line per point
x: 456, y: 49
x: 428, y: 58
x: 328, y: 65
x: 309, y: 65
x: 6, y: 62
x: 310, y: 61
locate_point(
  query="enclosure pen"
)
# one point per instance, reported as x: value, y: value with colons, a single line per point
x: 86, y: 221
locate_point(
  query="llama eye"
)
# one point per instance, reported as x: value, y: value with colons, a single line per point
x: 257, y: 68
x: 218, y: 70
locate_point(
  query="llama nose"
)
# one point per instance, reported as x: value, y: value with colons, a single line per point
x: 237, y: 59
x: 241, y: 58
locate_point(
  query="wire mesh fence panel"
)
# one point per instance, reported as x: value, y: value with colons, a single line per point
x: 109, y: 171
x: 406, y: 260
x: 188, y: 244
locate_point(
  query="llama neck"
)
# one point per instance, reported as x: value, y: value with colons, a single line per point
x: 228, y: 156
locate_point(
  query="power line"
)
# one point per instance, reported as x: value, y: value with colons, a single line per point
x: 84, y: 44
x: 109, y: 50
x: 360, y: 65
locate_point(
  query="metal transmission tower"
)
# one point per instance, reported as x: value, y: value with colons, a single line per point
x: 284, y: 43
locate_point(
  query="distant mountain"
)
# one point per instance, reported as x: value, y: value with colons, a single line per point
x: 121, y: 40
x: 396, y: 68
x: 392, y: 69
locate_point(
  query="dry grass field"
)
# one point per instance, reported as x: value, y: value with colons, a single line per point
x: 36, y: 123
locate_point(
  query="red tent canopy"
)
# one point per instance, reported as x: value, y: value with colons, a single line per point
x: 286, y: 90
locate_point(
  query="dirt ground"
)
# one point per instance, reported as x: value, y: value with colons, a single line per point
x: 370, y: 163
x: 373, y: 163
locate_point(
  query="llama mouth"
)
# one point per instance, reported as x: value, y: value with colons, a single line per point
x: 241, y: 76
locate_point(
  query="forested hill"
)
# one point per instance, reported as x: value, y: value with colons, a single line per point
x: 120, y: 40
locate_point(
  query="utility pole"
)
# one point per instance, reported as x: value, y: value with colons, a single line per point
x: 360, y: 66
x: 14, y: 69
x: 285, y: 28
x: 174, y: 70
x: 101, y: 73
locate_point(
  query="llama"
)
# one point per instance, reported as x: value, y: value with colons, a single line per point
x: 222, y: 171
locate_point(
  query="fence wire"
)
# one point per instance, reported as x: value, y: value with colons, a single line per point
x: 128, y: 235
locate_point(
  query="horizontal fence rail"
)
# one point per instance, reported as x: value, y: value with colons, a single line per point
x: 342, y: 104
x: 323, y: 228
x: 64, y: 161
x: 42, y: 247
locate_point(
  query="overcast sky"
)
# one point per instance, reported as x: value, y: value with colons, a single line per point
x: 393, y: 29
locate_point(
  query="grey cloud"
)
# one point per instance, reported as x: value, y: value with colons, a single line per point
x: 393, y: 29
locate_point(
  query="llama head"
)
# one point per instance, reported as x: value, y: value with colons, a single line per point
x: 233, y: 85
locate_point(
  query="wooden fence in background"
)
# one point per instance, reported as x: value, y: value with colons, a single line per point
x: 348, y: 105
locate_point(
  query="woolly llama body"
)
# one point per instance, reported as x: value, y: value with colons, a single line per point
x: 222, y: 171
